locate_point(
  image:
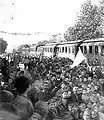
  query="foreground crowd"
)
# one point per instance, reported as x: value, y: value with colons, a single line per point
x: 48, y: 89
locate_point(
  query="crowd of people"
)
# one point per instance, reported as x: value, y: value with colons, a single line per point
x: 49, y: 89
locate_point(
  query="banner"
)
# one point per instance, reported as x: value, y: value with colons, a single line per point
x: 78, y: 59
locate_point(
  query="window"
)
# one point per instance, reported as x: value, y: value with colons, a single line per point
x: 50, y: 49
x: 69, y: 50
x: 102, y: 50
x: 57, y: 49
x: 85, y: 49
x: 66, y: 49
x: 72, y: 49
x: 45, y: 49
x: 62, y: 49
x: 81, y: 48
x: 96, y: 49
x: 90, y: 49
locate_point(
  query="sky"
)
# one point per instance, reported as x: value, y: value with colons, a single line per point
x: 31, y: 16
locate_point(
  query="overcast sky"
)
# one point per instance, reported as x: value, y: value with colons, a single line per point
x: 29, y: 16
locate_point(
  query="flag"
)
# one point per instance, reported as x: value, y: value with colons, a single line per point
x: 78, y: 59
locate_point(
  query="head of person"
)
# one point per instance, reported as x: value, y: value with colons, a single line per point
x: 82, y: 107
x: 80, y: 79
x: 21, y: 84
x: 6, y: 96
x: 75, y: 89
x: 65, y: 86
x: 79, y: 91
x: 46, y: 85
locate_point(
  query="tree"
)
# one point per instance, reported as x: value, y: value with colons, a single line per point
x: 101, y: 7
x: 70, y: 35
x: 101, y: 11
x: 3, y: 45
x: 88, y: 25
x: 42, y: 42
x: 20, y: 48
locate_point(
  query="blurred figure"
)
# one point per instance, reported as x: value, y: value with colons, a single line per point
x: 9, y: 112
x: 22, y: 102
x: 6, y: 96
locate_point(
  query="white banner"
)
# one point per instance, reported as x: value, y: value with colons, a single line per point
x: 78, y: 59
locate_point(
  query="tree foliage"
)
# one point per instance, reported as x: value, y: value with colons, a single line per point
x: 88, y: 25
x: 3, y: 45
x: 23, y: 47
x: 42, y: 42
x: 101, y: 7
x: 57, y: 38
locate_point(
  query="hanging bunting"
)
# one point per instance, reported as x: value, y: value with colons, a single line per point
x: 19, y: 33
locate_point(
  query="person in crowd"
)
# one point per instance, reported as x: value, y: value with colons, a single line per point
x: 8, y: 111
x: 5, y: 69
x: 57, y: 91
x: 26, y: 61
x: 22, y: 102
x: 6, y: 96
